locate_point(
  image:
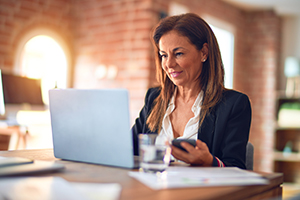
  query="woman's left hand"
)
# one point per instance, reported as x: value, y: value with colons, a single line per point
x: 198, y: 155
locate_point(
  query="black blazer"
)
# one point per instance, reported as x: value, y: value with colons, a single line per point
x: 225, y: 130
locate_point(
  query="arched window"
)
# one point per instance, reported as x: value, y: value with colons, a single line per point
x: 43, y: 55
x: 43, y: 58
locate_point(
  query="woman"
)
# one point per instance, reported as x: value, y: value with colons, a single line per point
x: 191, y: 101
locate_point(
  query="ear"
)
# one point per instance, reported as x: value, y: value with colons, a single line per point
x: 204, y: 52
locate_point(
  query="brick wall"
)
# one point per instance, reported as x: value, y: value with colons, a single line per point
x: 114, y: 35
x: 17, y: 17
x: 262, y: 48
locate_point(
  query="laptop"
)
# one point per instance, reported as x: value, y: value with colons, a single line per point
x: 92, y: 126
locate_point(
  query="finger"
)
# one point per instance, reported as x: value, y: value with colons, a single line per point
x: 177, y: 151
x: 200, y: 144
x: 187, y: 146
x: 179, y: 154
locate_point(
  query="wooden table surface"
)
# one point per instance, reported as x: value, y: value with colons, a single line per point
x: 133, y: 189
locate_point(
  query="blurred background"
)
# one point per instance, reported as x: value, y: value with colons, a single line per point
x: 90, y: 44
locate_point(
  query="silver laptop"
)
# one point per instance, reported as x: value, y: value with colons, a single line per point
x: 92, y: 126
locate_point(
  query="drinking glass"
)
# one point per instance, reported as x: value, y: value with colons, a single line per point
x: 153, y: 158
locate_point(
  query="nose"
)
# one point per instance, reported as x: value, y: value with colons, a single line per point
x: 170, y: 62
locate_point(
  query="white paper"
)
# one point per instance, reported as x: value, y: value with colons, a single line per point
x: 36, y: 188
x: 177, y: 177
x: 96, y: 191
x: 55, y: 188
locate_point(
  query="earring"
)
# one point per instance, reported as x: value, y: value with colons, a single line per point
x: 203, y: 60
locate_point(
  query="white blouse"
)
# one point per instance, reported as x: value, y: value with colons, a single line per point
x: 191, y: 128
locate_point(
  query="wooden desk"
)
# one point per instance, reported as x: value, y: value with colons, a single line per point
x: 133, y: 189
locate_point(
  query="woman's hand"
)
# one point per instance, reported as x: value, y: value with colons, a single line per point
x: 198, y: 155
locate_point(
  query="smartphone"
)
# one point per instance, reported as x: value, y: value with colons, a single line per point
x: 176, y: 143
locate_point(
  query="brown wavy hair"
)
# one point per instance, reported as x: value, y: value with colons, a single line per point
x: 211, y: 78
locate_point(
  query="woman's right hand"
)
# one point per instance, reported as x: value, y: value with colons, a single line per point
x: 198, y: 155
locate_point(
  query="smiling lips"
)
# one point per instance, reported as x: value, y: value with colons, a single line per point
x: 175, y: 74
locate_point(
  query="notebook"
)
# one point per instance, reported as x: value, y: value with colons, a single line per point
x: 92, y: 126
x: 35, y: 167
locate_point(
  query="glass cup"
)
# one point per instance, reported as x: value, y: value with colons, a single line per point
x: 153, y: 158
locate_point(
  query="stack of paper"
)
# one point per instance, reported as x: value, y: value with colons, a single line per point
x: 9, y: 161
x: 20, y: 166
x: 177, y: 177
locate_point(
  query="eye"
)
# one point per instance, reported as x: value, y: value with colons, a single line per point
x: 178, y: 54
x: 163, y: 55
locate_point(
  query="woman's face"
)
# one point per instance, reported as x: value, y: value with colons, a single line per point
x: 181, y: 60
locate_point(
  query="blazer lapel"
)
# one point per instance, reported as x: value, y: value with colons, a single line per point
x: 207, y: 129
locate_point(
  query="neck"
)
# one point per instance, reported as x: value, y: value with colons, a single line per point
x: 187, y: 95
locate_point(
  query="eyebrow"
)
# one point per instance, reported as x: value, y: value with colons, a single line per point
x: 175, y: 49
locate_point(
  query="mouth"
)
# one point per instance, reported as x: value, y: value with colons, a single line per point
x: 175, y: 74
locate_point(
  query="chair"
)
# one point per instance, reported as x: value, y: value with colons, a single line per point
x: 9, y: 132
x: 249, y: 156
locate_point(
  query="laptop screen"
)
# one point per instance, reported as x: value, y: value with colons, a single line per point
x: 92, y: 126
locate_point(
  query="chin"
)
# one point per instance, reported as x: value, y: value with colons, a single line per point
x: 177, y: 82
